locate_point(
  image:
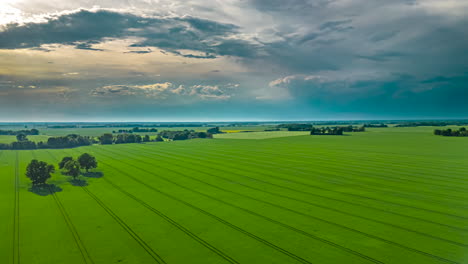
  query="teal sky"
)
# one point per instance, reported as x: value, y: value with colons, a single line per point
x: 170, y: 60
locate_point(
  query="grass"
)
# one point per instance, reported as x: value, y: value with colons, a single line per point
x: 390, y: 195
x: 9, y: 139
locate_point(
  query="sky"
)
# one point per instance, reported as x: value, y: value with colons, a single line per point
x: 232, y: 60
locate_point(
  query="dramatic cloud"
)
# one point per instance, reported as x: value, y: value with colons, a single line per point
x: 167, y: 89
x: 269, y: 58
x: 85, y: 28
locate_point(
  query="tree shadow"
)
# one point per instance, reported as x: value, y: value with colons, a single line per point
x: 79, y: 182
x: 45, y: 189
x: 93, y: 174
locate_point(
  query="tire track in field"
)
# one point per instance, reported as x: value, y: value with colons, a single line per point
x: 127, y: 228
x: 352, y: 164
x: 375, y: 160
x: 303, y: 214
x: 122, y: 223
x: 326, y: 197
x: 259, y: 239
x: 345, y: 193
x: 383, y: 156
x: 299, y: 200
x: 84, y: 252
x: 177, y: 225
x: 16, y: 215
x: 369, y: 182
x: 71, y: 227
x: 348, y: 250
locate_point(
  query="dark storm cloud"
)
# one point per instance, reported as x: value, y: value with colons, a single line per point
x: 85, y: 28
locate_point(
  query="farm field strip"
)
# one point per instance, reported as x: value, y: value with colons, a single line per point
x: 129, y: 230
x: 79, y: 243
x: 439, y: 258
x: 224, y: 222
x: 124, y: 225
x: 386, y: 158
x: 186, y: 188
x: 250, y: 182
x: 300, y: 191
x: 253, y: 179
x: 378, y: 164
x: 168, y: 219
x: 16, y: 215
x: 206, y: 172
x: 353, y: 164
x: 47, y: 222
x: 8, y: 253
x: 292, y: 255
x: 399, y: 194
x: 307, y: 183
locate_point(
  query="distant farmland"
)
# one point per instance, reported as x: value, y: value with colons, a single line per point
x: 389, y: 195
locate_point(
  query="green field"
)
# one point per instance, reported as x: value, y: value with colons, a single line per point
x: 390, y: 195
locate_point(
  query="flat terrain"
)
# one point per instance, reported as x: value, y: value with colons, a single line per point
x: 390, y: 195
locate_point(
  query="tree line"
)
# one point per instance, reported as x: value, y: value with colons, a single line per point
x: 17, y: 132
x: 40, y: 171
x: 69, y: 141
x: 338, y: 130
x: 432, y: 123
x: 136, y: 130
x: 462, y: 132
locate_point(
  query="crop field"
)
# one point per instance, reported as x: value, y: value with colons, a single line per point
x: 389, y: 195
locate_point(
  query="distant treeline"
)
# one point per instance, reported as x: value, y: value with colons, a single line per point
x: 375, y: 125
x: 432, y: 123
x: 108, y: 138
x: 185, y: 134
x: 462, y: 132
x: 323, y: 130
x: 296, y: 127
x: 69, y: 141
x: 17, y: 132
x: 136, y: 130
x: 326, y: 131
x: 338, y: 130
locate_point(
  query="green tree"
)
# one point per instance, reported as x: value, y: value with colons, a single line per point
x: 39, y: 172
x: 87, y: 161
x: 72, y: 168
x: 106, y: 139
x: 21, y: 137
x: 64, y: 161
x: 146, y: 138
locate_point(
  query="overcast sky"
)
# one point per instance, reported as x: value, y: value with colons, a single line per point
x: 169, y: 60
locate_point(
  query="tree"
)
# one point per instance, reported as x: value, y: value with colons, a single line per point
x: 72, y: 168
x: 106, y: 139
x: 159, y: 138
x: 39, y: 172
x: 213, y: 130
x: 146, y: 138
x: 64, y: 161
x: 87, y: 161
x: 21, y: 137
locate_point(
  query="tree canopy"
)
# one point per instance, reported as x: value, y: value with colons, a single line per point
x: 39, y: 172
x: 87, y: 161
